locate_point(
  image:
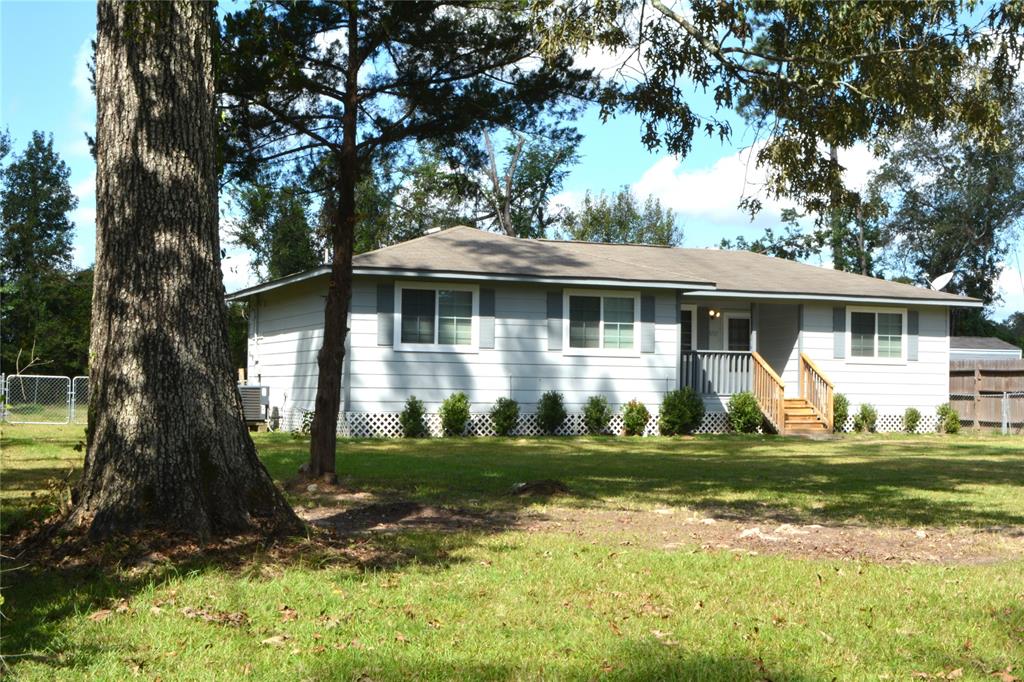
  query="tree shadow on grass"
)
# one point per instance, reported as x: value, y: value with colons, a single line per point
x: 53, y: 584
x: 939, y: 482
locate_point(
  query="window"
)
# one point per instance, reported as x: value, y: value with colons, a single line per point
x: 737, y: 332
x: 436, y: 319
x: 686, y: 330
x: 602, y: 322
x: 584, y: 321
x: 876, y: 334
x: 455, y: 318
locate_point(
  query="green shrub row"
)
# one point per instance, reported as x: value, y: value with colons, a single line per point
x: 867, y: 417
x: 681, y: 413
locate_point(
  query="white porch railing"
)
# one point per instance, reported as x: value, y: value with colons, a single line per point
x: 716, y: 372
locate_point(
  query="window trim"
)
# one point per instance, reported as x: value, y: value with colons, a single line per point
x: 875, y: 360
x: 472, y: 347
x: 692, y: 309
x: 601, y: 350
x: 726, y: 316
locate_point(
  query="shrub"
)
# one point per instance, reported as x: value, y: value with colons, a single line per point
x: 744, y: 413
x: 305, y: 426
x: 949, y: 420
x: 413, y: 420
x: 596, y: 415
x: 505, y: 415
x: 681, y: 412
x: 911, y: 418
x: 634, y: 418
x: 864, y: 420
x: 455, y: 414
x: 840, y: 411
x: 551, y: 411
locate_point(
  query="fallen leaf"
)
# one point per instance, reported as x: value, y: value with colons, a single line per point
x: 399, y: 637
x: 955, y: 674
x: 615, y: 628
x: 102, y: 614
x: 1005, y: 675
x: 436, y: 624
x: 287, y: 613
x: 968, y: 645
x: 664, y: 637
x: 155, y: 610
x: 276, y: 640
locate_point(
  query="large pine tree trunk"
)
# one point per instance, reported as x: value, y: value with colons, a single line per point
x: 167, y: 446
x: 323, y: 431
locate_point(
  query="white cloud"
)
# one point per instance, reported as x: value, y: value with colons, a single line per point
x: 237, y: 271
x: 80, y: 74
x: 85, y: 189
x: 1010, y: 285
x: 84, y: 216
x: 713, y: 193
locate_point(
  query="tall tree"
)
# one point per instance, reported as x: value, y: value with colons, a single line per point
x: 167, y: 447
x: 954, y: 204
x: 819, y: 75
x: 275, y: 227
x: 352, y: 80
x: 35, y: 252
x: 619, y: 219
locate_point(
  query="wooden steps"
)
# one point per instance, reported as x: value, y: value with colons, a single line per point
x: 800, y: 419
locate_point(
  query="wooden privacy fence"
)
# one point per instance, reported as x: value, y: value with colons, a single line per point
x: 988, y: 393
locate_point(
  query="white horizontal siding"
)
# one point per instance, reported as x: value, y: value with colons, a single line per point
x: 519, y: 365
x: 891, y: 388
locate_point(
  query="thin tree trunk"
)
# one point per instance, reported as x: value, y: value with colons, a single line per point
x: 324, y: 429
x: 167, y: 446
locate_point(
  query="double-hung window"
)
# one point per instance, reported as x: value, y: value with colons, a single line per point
x: 442, y: 318
x: 877, y: 334
x: 598, y: 322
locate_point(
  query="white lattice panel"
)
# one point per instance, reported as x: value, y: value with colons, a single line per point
x: 892, y: 423
x: 714, y: 422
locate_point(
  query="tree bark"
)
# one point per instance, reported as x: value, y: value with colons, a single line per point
x: 324, y: 429
x: 167, y: 446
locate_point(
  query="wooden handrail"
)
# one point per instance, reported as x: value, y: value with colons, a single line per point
x: 803, y: 356
x: 817, y: 390
x: 768, y: 368
x: 770, y: 392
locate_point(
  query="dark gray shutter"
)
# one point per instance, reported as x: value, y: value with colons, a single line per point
x: 554, y: 320
x: 912, y: 331
x: 703, y: 333
x: 646, y: 324
x: 487, y: 318
x: 386, y: 314
x: 839, y: 333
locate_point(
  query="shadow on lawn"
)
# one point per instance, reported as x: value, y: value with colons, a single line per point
x: 890, y: 482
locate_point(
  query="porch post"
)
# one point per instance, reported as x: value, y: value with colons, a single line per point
x: 754, y: 315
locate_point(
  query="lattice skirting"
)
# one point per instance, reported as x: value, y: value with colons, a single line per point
x: 387, y: 424
x: 891, y: 423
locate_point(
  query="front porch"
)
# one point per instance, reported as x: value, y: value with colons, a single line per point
x: 738, y: 365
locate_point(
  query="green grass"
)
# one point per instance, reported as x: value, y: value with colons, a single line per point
x: 515, y: 605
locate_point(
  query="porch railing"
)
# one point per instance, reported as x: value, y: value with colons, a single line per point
x: 817, y: 390
x: 770, y: 392
x: 716, y: 372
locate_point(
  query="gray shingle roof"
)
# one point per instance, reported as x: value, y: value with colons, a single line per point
x: 469, y: 251
x: 980, y: 343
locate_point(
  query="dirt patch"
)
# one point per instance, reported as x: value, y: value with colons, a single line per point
x: 384, y: 517
x: 676, y: 529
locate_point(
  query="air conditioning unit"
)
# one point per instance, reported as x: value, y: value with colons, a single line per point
x: 255, y: 400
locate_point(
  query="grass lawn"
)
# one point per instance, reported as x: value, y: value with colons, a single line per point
x: 507, y: 602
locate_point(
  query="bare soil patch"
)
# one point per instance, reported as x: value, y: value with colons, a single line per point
x: 674, y: 529
x: 679, y: 529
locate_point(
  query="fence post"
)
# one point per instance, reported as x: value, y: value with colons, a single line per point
x: 977, y: 398
x: 1005, y: 405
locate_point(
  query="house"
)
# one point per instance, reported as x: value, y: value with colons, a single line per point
x: 982, y: 348
x: 490, y: 315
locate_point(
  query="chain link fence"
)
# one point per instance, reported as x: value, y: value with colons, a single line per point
x: 37, y: 399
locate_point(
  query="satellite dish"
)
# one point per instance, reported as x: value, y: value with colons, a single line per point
x: 941, y: 281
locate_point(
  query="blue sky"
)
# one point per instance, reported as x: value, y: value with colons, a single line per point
x: 44, y: 48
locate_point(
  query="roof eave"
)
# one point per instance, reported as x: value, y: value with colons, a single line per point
x: 959, y: 302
